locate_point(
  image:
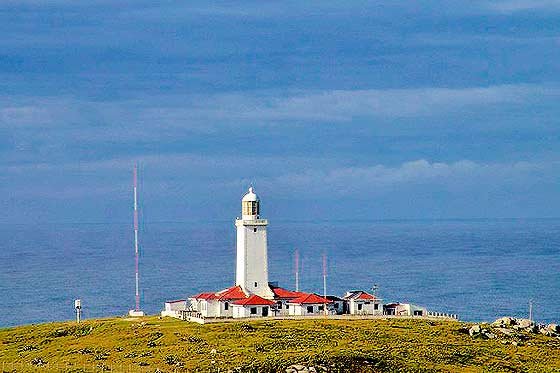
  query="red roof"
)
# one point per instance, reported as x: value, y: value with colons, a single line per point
x: 254, y: 300
x: 309, y: 299
x: 287, y: 294
x: 176, y: 301
x: 232, y: 293
x: 206, y: 296
x: 365, y: 296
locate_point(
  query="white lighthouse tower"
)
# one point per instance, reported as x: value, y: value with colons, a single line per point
x: 252, y: 259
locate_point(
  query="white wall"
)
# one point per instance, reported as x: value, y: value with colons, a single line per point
x: 175, y: 306
x: 209, y: 308
x: 366, y: 309
x: 252, y: 257
x: 245, y: 311
x: 301, y: 310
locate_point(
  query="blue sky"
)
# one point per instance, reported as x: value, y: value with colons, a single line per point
x: 343, y: 110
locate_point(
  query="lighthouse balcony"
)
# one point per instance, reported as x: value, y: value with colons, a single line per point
x: 239, y: 222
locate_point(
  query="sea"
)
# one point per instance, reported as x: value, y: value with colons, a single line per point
x: 477, y: 269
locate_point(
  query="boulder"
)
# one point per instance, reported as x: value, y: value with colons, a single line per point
x: 474, y: 330
x: 525, y: 323
x: 504, y: 321
x: 296, y: 367
x: 489, y: 335
x: 505, y: 331
x: 553, y: 328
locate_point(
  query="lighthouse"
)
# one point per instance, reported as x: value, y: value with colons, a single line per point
x: 252, y: 259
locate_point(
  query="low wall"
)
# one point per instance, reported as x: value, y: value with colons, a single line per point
x: 210, y: 320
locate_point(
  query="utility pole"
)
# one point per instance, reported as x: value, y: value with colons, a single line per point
x: 325, y: 281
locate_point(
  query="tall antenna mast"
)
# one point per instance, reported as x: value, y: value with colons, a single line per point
x: 136, y: 311
x: 325, y: 280
x: 297, y: 269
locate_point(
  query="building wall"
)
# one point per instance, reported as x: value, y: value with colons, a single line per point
x: 245, y: 311
x: 301, y: 309
x: 210, y: 308
x: 252, y: 259
x: 175, y: 306
x: 362, y: 307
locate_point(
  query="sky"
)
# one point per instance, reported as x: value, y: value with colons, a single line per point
x: 333, y: 110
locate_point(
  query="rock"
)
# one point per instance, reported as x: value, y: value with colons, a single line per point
x: 297, y: 367
x: 321, y: 368
x: 312, y: 370
x: 525, y: 323
x: 553, y: 327
x: 504, y: 321
x: 514, y: 343
x: 551, y: 330
x: 474, y: 330
x: 505, y: 331
x: 490, y: 335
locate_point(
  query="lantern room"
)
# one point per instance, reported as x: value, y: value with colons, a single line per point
x: 250, y: 205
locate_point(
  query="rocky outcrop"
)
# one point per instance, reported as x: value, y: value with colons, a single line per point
x: 512, y: 328
x: 298, y: 368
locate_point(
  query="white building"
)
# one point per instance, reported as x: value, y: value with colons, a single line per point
x: 405, y: 309
x: 254, y: 306
x: 362, y: 303
x: 307, y: 305
x: 217, y: 304
x: 173, y: 308
x: 252, y: 257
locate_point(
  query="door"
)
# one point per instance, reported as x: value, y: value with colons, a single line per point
x: 265, y: 311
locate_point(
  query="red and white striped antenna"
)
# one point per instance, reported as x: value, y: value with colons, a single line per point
x: 296, y: 255
x: 136, y: 311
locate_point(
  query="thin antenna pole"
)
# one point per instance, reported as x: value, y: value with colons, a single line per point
x: 530, y: 310
x: 325, y: 280
x: 297, y: 269
x: 135, y: 182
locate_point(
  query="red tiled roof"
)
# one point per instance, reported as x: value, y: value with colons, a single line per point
x: 176, y: 301
x: 309, y: 299
x: 232, y: 293
x: 254, y: 300
x: 205, y: 296
x: 365, y: 296
x: 286, y: 294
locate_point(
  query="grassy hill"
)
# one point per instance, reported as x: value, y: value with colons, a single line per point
x: 151, y: 343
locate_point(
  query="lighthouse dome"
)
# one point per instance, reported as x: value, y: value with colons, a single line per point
x: 250, y: 196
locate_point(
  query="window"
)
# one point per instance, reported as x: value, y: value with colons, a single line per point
x: 321, y: 308
x: 336, y: 305
x: 309, y: 309
x: 376, y: 306
x: 279, y: 303
x: 256, y: 284
x: 255, y: 230
x: 359, y: 306
x: 226, y: 306
x: 253, y: 310
x: 417, y: 313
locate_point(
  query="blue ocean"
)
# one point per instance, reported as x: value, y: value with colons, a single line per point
x: 478, y: 269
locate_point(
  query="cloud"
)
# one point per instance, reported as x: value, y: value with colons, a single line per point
x: 204, y: 111
x: 511, y: 6
x: 380, y: 179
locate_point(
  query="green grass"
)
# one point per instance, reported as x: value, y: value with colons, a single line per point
x: 150, y: 343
